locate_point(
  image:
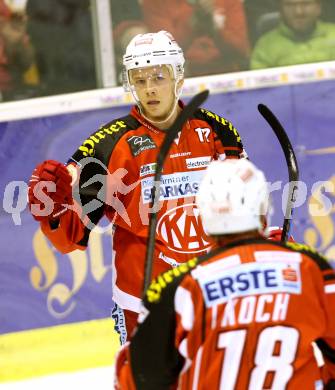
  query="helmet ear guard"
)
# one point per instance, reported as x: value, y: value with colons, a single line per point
x: 232, y: 198
x: 125, y: 80
x: 179, y: 72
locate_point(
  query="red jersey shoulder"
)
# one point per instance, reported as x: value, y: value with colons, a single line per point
x: 311, y: 253
x: 219, y: 124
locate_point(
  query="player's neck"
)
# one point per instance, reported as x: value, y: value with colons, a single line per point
x: 230, y: 238
x: 166, y: 124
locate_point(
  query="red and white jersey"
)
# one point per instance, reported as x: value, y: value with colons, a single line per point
x: 118, y: 164
x: 242, y: 317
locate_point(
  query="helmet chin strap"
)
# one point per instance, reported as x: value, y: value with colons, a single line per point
x: 157, y: 123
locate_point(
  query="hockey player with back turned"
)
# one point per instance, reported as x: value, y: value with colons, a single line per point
x: 246, y: 316
x: 115, y: 167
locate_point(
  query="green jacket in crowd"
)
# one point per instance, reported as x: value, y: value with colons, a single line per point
x: 279, y: 47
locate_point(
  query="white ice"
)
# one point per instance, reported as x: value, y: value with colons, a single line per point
x: 93, y: 379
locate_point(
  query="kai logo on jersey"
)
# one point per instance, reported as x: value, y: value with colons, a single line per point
x: 148, y: 169
x: 180, y: 229
x: 249, y: 279
x: 173, y: 186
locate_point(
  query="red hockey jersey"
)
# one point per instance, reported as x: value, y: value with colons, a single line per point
x: 247, y: 316
x: 114, y: 169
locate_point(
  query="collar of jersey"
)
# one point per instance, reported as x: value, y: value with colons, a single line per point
x: 237, y: 243
x: 135, y: 112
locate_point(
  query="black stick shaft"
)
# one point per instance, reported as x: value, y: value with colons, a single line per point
x: 292, y: 165
x: 171, y: 134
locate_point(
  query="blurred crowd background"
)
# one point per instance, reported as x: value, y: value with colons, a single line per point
x: 49, y: 47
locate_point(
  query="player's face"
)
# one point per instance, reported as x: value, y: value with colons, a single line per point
x: 155, y: 88
x: 301, y: 15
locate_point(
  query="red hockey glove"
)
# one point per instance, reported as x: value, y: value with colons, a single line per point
x: 50, y: 190
x: 275, y: 234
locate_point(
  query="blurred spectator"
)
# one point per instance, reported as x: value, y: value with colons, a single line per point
x: 259, y: 14
x: 213, y: 33
x: 263, y: 15
x: 61, y: 31
x: 300, y: 37
x: 127, y: 20
x: 328, y: 11
x: 18, y: 73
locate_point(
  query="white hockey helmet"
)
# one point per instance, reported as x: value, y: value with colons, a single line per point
x: 153, y: 49
x: 232, y: 196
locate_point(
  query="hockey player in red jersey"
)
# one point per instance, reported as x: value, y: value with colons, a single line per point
x: 114, y: 169
x: 251, y: 314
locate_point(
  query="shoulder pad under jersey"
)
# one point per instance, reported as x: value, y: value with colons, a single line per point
x: 101, y: 143
x: 317, y: 257
x: 221, y: 126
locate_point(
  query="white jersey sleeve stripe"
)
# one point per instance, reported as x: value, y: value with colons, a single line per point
x: 330, y: 288
x: 197, y: 369
x: 184, y: 307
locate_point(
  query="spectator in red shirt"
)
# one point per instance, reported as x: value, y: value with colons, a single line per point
x: 17, y: 71
x: 127, y: 21
x: 213, y: 33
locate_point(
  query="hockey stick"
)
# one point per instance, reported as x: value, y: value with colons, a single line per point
x: 171, y: 134
x: 292, y: 165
